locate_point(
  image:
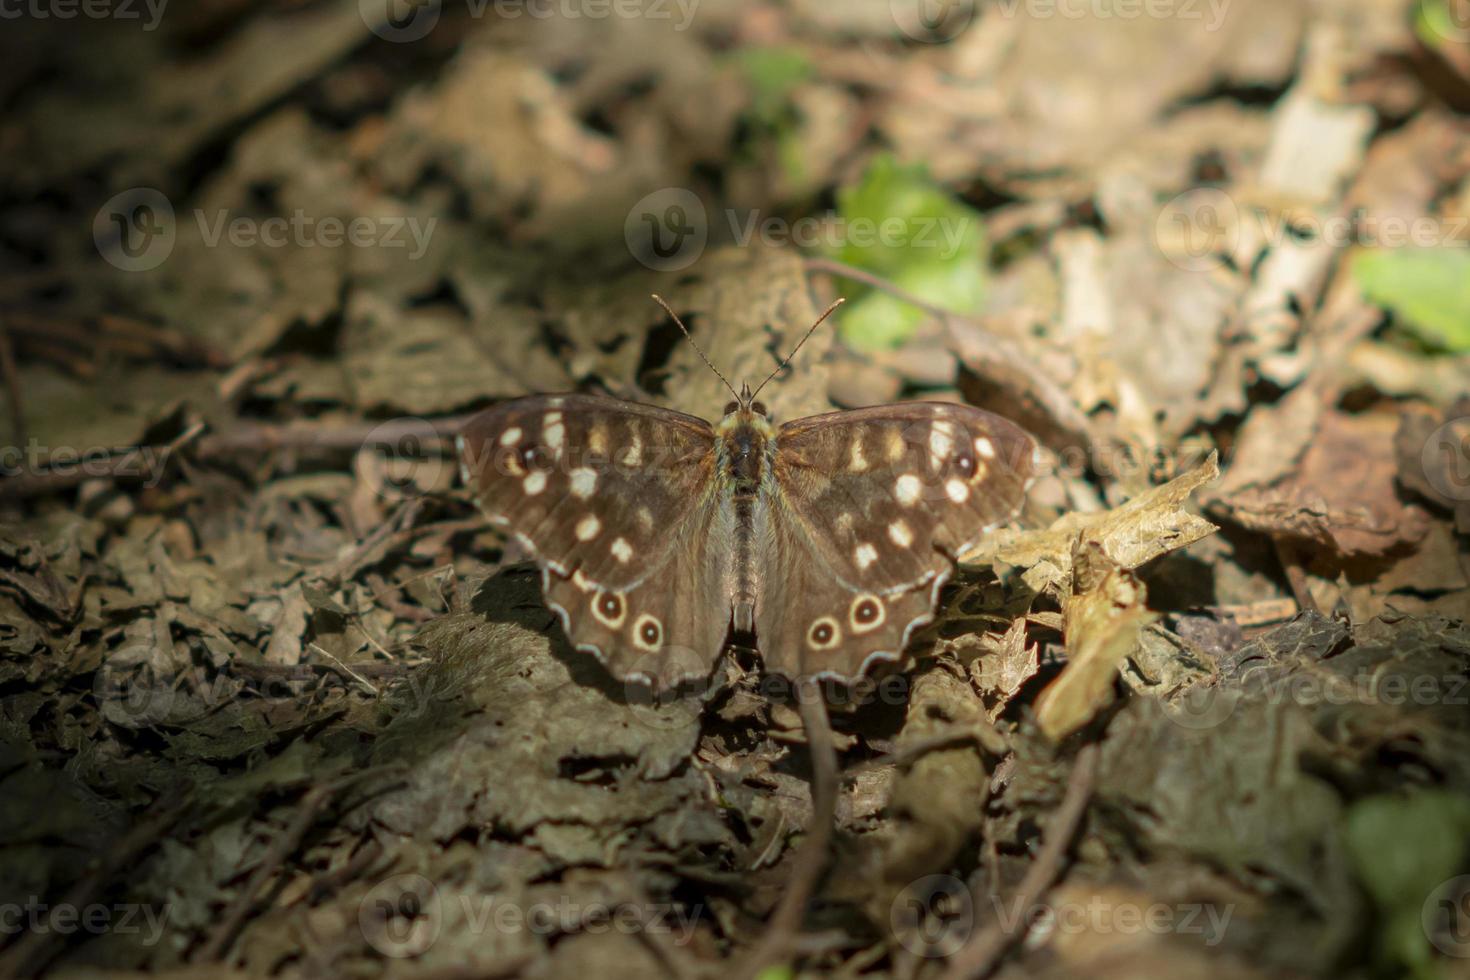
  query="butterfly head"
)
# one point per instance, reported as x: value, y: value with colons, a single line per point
x: 745, y: 403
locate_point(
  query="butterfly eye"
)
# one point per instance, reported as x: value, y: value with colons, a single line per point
x: 759, y: 408
x: 731, y: 407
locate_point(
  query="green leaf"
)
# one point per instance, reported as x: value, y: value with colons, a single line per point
x: 1427, y: 289
x: 1404, y: 846
x: 773, y: 73
x: 897, y: 223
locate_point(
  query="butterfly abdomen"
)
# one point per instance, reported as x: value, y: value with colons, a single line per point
x: 744, y: 448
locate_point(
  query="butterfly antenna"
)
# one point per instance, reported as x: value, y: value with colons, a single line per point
x: 675, y: 317
x: 782, y: 366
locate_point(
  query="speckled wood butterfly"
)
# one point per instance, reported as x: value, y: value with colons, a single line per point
x: 822, y: 541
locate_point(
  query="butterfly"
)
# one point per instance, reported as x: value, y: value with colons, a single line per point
x: 822, y: 542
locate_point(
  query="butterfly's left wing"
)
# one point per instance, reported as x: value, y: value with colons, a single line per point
x: 617, y: 502
x: 869, y: 507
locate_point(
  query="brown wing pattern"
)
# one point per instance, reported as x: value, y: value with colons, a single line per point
x: 870, y: 507
x: 617, y: 502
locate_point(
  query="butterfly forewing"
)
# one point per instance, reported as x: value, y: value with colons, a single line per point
x: 616, y: 501
x: 870, y: 508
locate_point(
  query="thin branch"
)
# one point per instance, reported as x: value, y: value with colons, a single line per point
x: 981, y: 955
x: 995, y: 348
x: 34, y: 949
x: 781, y: 938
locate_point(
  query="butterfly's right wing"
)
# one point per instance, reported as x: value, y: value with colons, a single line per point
x: 617, y: 502
x: 871, y: 507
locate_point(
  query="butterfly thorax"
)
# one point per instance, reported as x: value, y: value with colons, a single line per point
x: 745, y: 441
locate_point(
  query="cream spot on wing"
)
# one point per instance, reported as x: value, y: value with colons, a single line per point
x: 645, y: 518
x: 900, y: 534
x: 597, y: 441
x: 906, y: 489
x: 588, y: 527
x: 865, y: 555
x: 894, y: 444
x: 957, y: 491
x: 584, y: 481
x: 553, y: 432
x: 622, y: 550
x: 941, y: 443
x: 511, y: 436
x: 985, y: 447
x: 534, y: 483
x: 858, y: 462
x: 633, y: 454
x: 844, y: 521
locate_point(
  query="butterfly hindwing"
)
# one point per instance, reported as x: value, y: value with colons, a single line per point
x: 869, y: 509
x: 616, y: 501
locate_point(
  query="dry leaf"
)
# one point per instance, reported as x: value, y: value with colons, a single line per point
x: 1151, y: 524
x: 1103, y: 618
